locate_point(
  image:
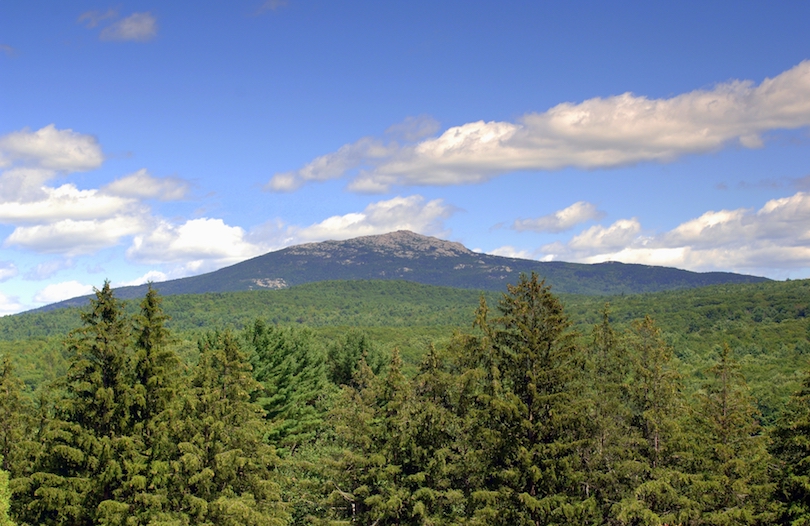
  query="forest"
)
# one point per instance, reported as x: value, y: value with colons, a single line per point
x: 520, y: 408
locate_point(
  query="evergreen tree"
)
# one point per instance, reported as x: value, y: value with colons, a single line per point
x: 344, y: 355
x: 5, y: 499
x: 662, y: 492
x: 367, y: 473
x: 530, y: 422
x: 13, y: 421
x: 225, y: 472
x: 155, y: 368
x: 735, y: 486
x: 296, y: 392
x: 86, y: 451
x: 791, y: 446
x: 611, y: 458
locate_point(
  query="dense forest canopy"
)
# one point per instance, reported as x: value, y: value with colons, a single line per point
x: 397, y: 403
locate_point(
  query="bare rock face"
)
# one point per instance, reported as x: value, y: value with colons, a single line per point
x: 400, y: 244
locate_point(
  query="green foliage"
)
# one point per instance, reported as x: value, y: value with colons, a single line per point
x: 518, y: 420
x: 295, y: 391
x: 528, y: 421
x: 792, y: 447
x: 224, y: 474
x: 732, y: 456
x: 5, y: 500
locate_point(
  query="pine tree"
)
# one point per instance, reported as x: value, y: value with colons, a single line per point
x: 735, y: 487
x: 296, y: 392
x: 224, y: 474
x: 791, y: 446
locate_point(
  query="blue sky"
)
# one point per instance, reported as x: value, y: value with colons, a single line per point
x: 155, y: 140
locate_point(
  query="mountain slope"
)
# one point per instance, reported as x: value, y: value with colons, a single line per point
x: 408, y: 256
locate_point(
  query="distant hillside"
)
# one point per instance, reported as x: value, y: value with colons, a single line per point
x: 408, y: 256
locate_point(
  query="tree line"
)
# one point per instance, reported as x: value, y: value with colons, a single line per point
x: 514, y: 422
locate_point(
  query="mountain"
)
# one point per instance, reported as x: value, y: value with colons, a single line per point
x: 404, y: 255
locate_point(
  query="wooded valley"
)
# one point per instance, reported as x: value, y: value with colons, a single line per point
x: 397, y: 403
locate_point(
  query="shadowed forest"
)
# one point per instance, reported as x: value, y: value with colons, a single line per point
x: 530, y: 409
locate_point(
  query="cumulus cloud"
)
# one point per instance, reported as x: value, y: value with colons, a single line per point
x: 200, y: 244
x: 51, y: 149
x: 777, y: 236
x: 595, y: 134
x: 67, y: 202
x: 9, y: 305
x: 206, y: 244
x: 7, y: 270
x: 62, y: 291
x: 70, y: 237
x: 561, y: 220
x: 400, y: 213
x: 137, y: 27
x: 142, y: 185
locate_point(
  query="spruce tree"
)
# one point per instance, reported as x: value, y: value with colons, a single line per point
x: 530, y: 422
x: 662, y: 492
x: 366, y: 475
x: 155, y: 367
x: 735, y: 486
x: 86, y: 450
x: 791, y: 446
x: 610, y: 456
x: 225, y: 472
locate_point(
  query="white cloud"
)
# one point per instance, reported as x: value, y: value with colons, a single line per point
x: 597, y: 133
x: 414, y: 128
x: 62, y: 291
x: 9, y: 305
x: 142, y: 185
x: 51, y: 149
x: 777, y: 236
x: 153, y: 276
x: 7, y: 270
x: 200, y: 244
x: 400, y: 213
x: 332, y: 165
x: 48, y: 268
x: 562, y: 220
x: 71, y: 237
x: 138, y: 27
x: 508, y: 251
x: 68, y: 202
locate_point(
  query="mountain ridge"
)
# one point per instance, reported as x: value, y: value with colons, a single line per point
x: 423, y: 259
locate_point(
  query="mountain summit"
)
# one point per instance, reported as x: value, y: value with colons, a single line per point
x: 405, y: 255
